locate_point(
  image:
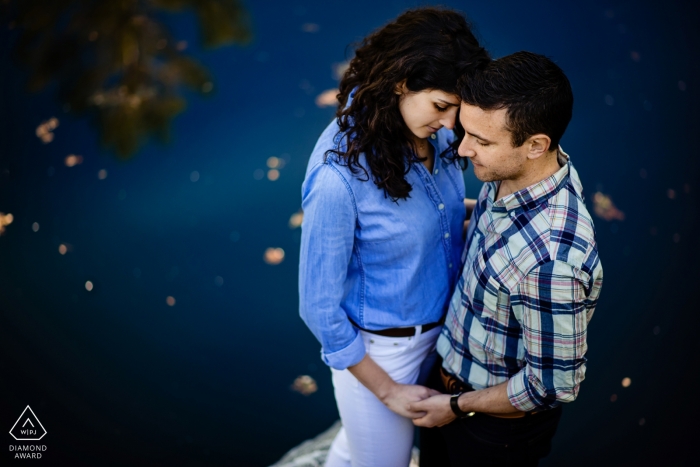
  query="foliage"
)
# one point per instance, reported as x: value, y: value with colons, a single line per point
x: 116, y: 60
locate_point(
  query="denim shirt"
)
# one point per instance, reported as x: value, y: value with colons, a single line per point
x: 381, y: 263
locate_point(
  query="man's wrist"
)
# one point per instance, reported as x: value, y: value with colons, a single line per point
x: 464, y: 402
x: 457, y: 408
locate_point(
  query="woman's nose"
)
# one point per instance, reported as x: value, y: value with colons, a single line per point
x: 449, y: 121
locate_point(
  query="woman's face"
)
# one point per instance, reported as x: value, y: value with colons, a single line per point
x: 425, y: 112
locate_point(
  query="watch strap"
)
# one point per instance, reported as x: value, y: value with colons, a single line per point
x: 454, y: 404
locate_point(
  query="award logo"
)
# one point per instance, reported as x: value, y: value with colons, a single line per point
x: 28, y: 428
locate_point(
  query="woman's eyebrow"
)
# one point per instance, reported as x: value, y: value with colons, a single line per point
x: 448, y: 103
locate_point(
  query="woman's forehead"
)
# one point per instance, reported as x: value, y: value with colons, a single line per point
x: 446, y: 97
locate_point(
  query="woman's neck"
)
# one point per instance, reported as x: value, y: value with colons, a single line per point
x: 424, y: 150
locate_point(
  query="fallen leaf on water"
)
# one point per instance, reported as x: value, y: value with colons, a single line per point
x: 305, y: 385
x: 605, y: 208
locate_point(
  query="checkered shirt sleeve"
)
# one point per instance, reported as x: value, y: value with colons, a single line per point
x: 555, y: 310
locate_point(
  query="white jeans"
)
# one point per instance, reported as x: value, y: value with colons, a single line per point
x: 372, y: 435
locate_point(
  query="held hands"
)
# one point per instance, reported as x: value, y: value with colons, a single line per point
x: 401, y: 396
x: 397, y: 397
x: 437, y: 411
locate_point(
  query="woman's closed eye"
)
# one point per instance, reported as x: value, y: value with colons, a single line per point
x: 440, y: 109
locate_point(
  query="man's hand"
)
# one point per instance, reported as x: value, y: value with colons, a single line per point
x: 493, y: 400
x: 400, y: 397
x: 395, y: 396
x: 437, y: 411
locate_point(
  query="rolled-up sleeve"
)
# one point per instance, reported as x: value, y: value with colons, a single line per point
x: 326, y: 248
x: 553, y: 304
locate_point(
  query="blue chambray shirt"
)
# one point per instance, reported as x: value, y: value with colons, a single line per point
x: 384, y: 264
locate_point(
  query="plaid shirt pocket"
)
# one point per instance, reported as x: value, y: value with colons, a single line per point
x: 495, y: 317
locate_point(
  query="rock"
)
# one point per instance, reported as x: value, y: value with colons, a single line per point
x: 313, y: 452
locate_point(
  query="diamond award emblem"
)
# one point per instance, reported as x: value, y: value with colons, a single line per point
x: 27, y: 427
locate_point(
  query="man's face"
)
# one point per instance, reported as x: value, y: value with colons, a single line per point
x: 487, y: 145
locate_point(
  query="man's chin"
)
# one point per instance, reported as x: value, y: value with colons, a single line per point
x: 482, y: 175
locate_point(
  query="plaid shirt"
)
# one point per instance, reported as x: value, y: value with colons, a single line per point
x: 529, y: 286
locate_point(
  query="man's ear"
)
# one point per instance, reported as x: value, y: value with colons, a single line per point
x: 538, y: 145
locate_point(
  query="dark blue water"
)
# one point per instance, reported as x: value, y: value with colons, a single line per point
x: 119, y: 377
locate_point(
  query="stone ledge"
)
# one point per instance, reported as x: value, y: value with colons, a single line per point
x: 313, y: 452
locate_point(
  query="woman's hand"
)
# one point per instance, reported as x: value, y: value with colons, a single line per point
x: 437, y: 409
x: 399, y: 398
x: 395, y: 396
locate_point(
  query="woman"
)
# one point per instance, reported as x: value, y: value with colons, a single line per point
x: 382, y: 230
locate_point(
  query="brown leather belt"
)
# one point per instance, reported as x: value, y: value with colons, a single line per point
x: 454, y: 385
x: 400, y: 332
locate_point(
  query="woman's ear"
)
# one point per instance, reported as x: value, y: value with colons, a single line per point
x: 400, y: 88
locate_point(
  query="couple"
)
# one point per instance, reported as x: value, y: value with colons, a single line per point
x: 386, y: 278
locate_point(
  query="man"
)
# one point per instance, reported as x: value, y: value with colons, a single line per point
x: 514, y: 340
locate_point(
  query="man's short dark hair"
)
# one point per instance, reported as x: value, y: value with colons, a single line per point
x: 533, y: 89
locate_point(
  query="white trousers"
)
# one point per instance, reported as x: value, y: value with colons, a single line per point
x: 372, y: 435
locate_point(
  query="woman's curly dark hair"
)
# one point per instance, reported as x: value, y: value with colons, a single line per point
x: 428, y: 48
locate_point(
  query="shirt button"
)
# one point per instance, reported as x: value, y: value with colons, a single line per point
x: 441, y: 206
x: 436, y: 171
x: 449, y: 265
x: 433, y: 136
x: 447, y: 235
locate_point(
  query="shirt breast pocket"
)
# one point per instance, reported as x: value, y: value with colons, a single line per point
x: 496, y: 317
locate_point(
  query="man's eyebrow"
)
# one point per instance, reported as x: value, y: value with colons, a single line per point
x: 477, y: 136
x: 449, y: 103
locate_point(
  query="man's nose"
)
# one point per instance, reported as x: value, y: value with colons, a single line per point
x: 464, y: 149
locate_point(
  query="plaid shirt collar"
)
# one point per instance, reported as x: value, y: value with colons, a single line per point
x: 536, y: 194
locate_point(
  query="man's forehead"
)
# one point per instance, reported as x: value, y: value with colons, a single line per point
x: 489, y: 125
x: 492, y: 121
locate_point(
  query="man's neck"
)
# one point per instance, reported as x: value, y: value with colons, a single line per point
x: 539, y: 170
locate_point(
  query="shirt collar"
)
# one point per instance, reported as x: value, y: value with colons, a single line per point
x: 536, y: 194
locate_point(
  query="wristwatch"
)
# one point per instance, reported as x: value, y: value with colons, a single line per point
x: 455, y: 407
